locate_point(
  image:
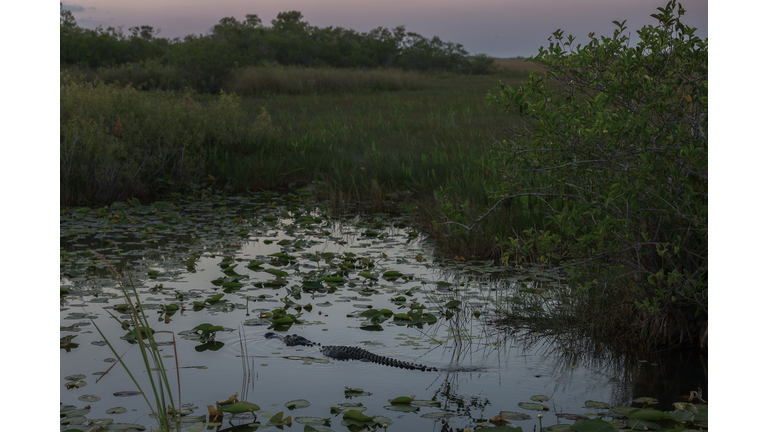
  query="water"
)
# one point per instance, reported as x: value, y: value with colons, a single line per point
x: 484, y: 369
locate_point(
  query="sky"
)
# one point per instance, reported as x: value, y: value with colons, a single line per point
x: 499, y: 28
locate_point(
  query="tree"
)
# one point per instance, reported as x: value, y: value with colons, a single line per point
x: 613, y: 151
x: 290, y: 22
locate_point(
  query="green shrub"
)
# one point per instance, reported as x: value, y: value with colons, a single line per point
x: 614, y: 148
x: 481, y: 64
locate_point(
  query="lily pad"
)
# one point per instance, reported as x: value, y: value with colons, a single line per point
x: 240, y: 407
x: 350, y: 390
x: 277, y: 273
x: 318, y: 421
x: 649, y: 414
x: 533, y: 406
x: 402, y: 408
x: 116, y: 410
x: 425, y: 403
x: 126, y: 393
x: 344, y: 407
x: 401, y: 400
x: 356, y: 415
x: 74, y: 377
x: 89, y: 398
x: 572, y: 416
x: 298, y: 403
x: 642, y: 425
x: 512, y: 415
x: 438, y: 415
x: 596, y: 404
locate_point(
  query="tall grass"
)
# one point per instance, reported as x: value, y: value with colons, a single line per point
x: 514, y: 66
x: 376, y: 150
x: 370, y: 150
x: 119, y: 142
x: 151, y: 356
x: 149, y: 74
x: 257, y: 81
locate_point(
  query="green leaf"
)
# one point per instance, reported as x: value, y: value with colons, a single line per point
x: 649, y: 414
x: 298, y: 403
x: 595, y: 404
x: 368, y: 275
x: 240, y: 407
x: 276, y: 272
x: 370, y: 313
x: 401, y: 400
x: 207, y: 327
x: 533, y: 406
x: 356, y: 415
x: 593, y: 425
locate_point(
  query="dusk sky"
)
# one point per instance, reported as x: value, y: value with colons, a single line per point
x: 500, y: 28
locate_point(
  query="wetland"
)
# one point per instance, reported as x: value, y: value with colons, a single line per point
x: 219, y: 271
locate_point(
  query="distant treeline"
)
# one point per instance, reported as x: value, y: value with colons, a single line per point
x: 206, y: 60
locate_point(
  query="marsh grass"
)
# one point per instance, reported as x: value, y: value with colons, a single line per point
x: 120, y: 142
x: 362, y: 151
x: 149, y: 74
x: 285, y: 80
x: 514, y: 66
x: 374, y: 151
x: 248, y: 364
x: 151, y: 356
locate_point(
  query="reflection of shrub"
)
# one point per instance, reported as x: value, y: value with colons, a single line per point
x: 615, y: 155
x: 118, y: 142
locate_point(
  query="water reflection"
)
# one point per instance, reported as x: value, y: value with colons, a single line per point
x: 485, y: 367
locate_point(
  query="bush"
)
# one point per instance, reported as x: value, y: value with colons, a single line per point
x: 481, y: 64
x: 614, y: 151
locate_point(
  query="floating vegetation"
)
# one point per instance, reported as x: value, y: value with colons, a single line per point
x: 210, y: 262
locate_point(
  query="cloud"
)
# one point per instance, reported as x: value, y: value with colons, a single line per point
x: 72, y: 8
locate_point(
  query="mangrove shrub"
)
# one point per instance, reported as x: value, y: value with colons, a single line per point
x: 612, y: 149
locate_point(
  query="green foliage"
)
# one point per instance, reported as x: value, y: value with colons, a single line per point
x: 613, y: 148
x: 118, y: 142
x: 259, y: 81
x: 163, y: 410
x: 481, y: 64
x: 207, y: 61
x: 100, y: 47
x: 149, y: 74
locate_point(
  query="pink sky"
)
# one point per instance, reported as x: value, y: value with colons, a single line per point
x: 501, y: 28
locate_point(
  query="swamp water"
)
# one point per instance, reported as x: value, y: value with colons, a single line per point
x: 232, y: 261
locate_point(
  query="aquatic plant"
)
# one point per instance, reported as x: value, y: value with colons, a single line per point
x: 150, y: 354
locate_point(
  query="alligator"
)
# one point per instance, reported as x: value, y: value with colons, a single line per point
x: 340, y: 352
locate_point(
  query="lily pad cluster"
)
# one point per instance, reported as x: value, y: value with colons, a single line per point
x: 273, y: 261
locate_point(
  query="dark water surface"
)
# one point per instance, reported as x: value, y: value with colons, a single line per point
x: 484, y: 369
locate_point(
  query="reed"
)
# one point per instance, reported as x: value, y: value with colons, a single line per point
x: 151, y: 356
